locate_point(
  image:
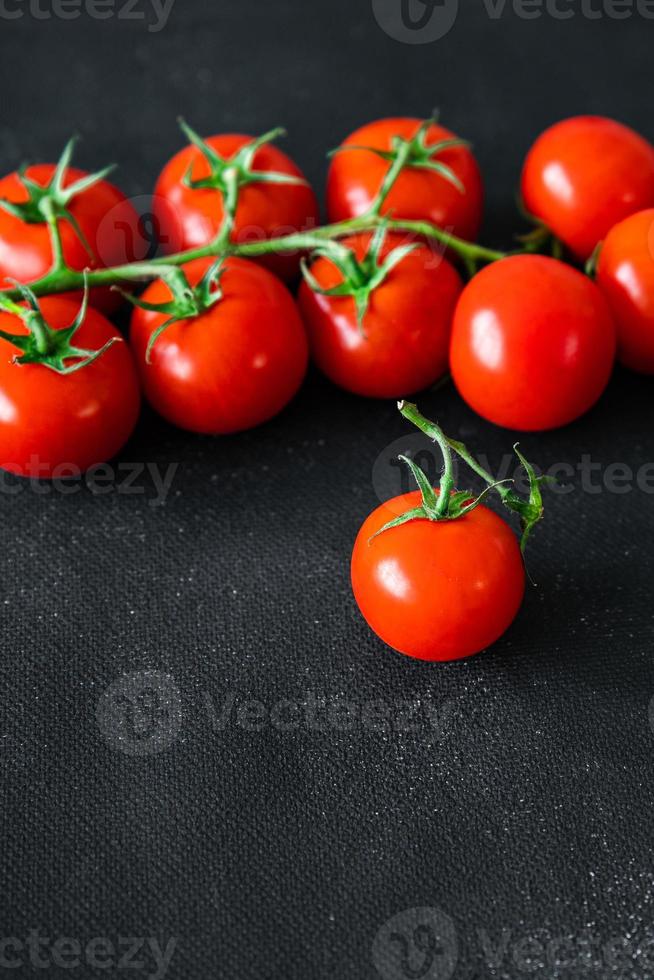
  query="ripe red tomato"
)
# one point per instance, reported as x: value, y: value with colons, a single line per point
x: 403, y: 343
x: 355, y: 177
x: 264, y: 210
x: 61, y: 425
x: 533, y: 343
x: 437, y: 590
x: 234, y: 366
x: 625, y: 274
x: 584, y: 175
x: 106, y: 218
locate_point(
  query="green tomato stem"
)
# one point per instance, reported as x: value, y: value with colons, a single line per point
x: 411, y: 413
x: 58, y: 261
x: 398, y: 165
x: 462, y: 451
x: 231, y: 197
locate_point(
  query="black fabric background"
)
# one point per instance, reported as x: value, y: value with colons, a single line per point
x: 526, y: 807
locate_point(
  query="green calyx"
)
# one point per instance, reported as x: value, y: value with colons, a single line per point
x: 416, y: 153
x: 228, y: 175
x: 47, y: 205
x: 44, y: 345
x: 186, y: 301
x: 449, y: 504
x: 360, y: 277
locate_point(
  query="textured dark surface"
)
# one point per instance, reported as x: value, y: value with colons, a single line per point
x: 521, y: 808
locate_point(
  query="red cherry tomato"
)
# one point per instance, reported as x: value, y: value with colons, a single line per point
x: 437, y: 590
x: 60, y: 425
x: 264, y: 210
x: 625, y: 274
x: 585, y: 174
x: 533, y: 343
x: 402, y: 344
x: 232, y: 367
x: 106, y: 218
x: 355, y: 177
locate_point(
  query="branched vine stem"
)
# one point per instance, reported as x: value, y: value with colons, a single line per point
x: 61, y: 279
x: 228, y: 176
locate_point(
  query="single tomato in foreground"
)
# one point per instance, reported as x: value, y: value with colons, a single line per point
x: 435, y: 573
x: 584, y: 175
x: 274, y: 197
x: 97, y: 224
x: 440, y: 183
x: 437, y: 590
x: 533, y: 343
x: 397, y: 342
x: 231, y: 366
x: 55, y: 424
x: 625, y: 274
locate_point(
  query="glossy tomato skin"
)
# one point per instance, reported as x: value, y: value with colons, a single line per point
x: 356, y: 176
x: 533, y: 343
x: 234, y: 366
x: 584, y: 175
x: 264, y: 210
x: 625, y: 274
x: 54, y: 425
x: 107, y: 219
x: 437, y: 590
x: 403, y: 344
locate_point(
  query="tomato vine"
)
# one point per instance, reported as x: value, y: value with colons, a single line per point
x: 228, y: 177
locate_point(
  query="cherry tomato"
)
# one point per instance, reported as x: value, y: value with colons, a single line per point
x: 355, y: 177
x: 60, y: 425
x: 584, y: 175
x: 107, y: 220
x: 235, y: 365
x: 437, y: 590
x: 625, y: 274
x: 264, y: 210
x: 402, y: 344
x: 533, y: 343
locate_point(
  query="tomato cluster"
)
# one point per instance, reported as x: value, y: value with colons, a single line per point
x: 218, y: 343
